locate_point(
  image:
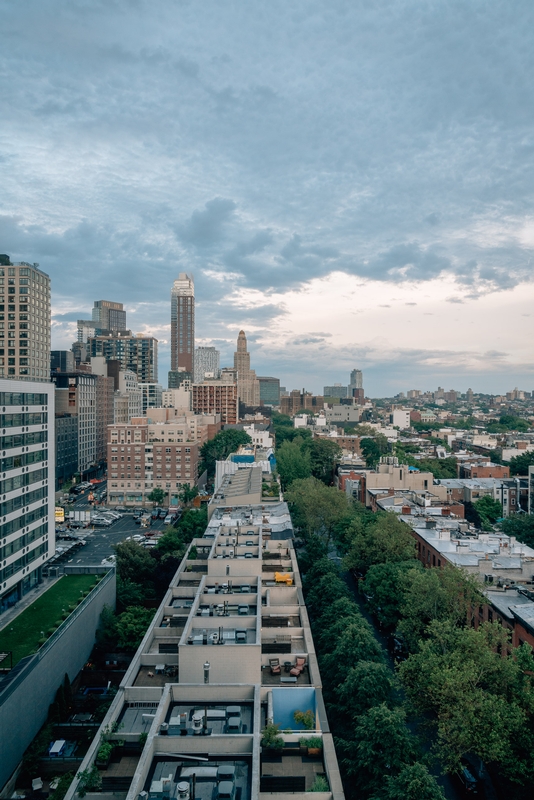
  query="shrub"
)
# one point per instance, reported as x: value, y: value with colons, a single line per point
x: 320, y: 784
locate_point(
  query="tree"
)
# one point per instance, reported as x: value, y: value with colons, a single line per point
x: 106, y: 634
x: 188, y: 494
x: 317, y: 507
x: 489, y: 511
x: 521, y: 526
x: 157, y: 496
x: 134, y: 563
x: 477, y: 698
x: 352, y: 642
x: 519, y: 464
x: 384, y: 540
x: 414, y: 782
x: 370, y: 451
x: 381, y: 746
x: 366, y: 684
x: 220, y: 447
x: 384, y: 584
x: 129, y: 593
x: 292, y: 463
x: 324, y: 454
x: 436, y: 594
x: 132, y: 625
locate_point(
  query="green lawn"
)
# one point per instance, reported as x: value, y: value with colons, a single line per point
x: 23, y: 633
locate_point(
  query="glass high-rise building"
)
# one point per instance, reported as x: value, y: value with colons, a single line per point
x: 24, y: 322
x: 183, y: 324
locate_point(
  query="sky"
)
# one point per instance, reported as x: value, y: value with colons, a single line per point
x: 351, y: 182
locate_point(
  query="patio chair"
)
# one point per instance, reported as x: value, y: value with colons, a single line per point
x: 37, y: 784
x: 276, y: 669
x: 300, y: 666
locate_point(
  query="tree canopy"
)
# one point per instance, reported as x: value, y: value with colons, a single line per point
x: 220, y: 447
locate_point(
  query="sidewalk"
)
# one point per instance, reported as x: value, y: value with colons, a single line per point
x: 8, y: 616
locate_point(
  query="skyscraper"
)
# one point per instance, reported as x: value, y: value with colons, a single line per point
x: 25, y: 333
x: 248, y: 386
x: 182, y: 325
x: 206, y: 361
x: 356, y: 379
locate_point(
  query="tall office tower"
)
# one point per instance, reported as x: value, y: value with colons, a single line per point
x: 27, y: 490
x: 206, y: 361
x: 25, y: 296
x: 183, y: 324
x: 248, y: 386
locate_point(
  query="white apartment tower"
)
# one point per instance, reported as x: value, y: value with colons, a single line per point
x: 27, y: 443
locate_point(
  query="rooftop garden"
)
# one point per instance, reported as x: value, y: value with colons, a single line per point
x: 25, y: 633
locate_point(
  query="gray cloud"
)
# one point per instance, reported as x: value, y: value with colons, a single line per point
x: 205, y: 228
x: 267, y: 143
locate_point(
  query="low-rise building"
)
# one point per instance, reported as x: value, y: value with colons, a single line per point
x: 146, y: 454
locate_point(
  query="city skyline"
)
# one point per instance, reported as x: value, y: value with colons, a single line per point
x: 339, y: 195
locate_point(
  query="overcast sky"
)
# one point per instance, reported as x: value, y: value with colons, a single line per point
x: 349, y: 181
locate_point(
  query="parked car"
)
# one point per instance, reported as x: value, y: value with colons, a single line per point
x: 155, y: 513
x: 467, y: 781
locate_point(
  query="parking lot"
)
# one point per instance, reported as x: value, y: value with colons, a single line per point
x: 100, y: 541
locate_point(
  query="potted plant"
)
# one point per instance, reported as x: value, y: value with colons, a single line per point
x: 306, y: 718
x: 314, y: 744
x: 103, y: 755
x: 270, y: 737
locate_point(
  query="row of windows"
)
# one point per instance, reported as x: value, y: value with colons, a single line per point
x: 23, y: 460
x: 23, y: 399
x: 17, y: 420
x: 22, y: 439
x: 15, y: 525
x: 23, y: 500
x: 23, y: 541
x: 27, y: 479
x: 21, y: 562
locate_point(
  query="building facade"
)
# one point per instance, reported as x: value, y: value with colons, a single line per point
x: 183, y: 324
x: 62, y: 361
x: 139, y: 353
x: 152, y: 394
x: 24, y: 322
x: 207, y: 363
x: 109, y: 316
x: 269, y: 391
x: 76, y: 394
x: 144, y: 455
x: 27, y: 488
x: 66, y: 448
x: 248, y: 386
x: 216, y: 397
